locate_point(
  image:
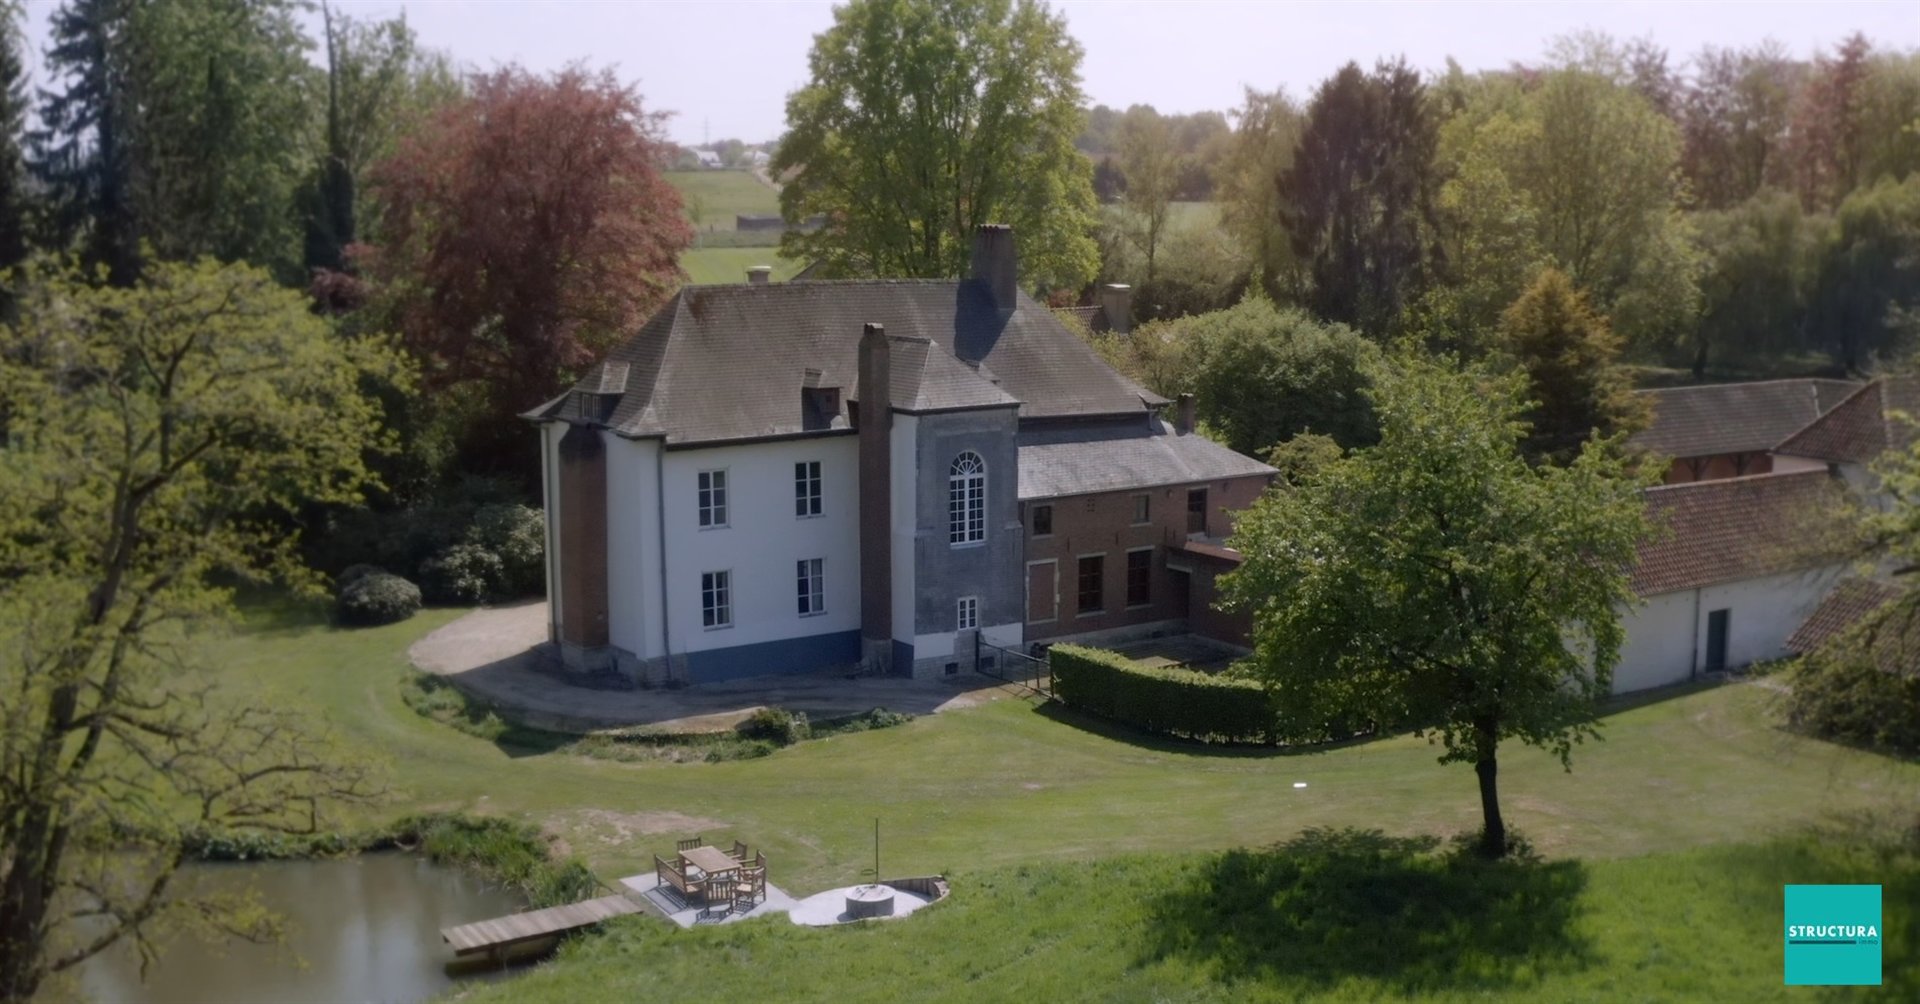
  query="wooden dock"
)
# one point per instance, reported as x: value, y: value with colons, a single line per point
x: 497, y: 934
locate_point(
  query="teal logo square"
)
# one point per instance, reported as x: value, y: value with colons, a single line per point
x: 1833, y: 935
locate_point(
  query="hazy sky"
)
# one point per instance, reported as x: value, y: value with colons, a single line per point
x: 725, y: 67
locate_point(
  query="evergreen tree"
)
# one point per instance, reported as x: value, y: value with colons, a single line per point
x: 80, y: 149
x: 1569, y: 355
x: 13, y: 109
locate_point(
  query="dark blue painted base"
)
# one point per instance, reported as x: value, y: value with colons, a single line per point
x: 902, y: 658
x: 789, y: 655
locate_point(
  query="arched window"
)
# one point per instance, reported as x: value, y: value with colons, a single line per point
x: 967, y: 499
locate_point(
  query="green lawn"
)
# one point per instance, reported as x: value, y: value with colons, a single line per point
x: 707, y: 266
x: 714, y: 198
x: 1010, y: 784
x: 1180, y: 215
x: 1329, y: 916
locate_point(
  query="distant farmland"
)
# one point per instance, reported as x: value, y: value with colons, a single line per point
x: 713, y: 198
x: 708, y: 266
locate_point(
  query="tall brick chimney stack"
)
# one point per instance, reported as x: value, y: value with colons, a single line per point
x: 1183, y: 414
x: 876, y: 499
x: 995, y: 264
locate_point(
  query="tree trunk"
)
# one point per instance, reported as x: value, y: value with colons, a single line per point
x: 1493, y: 830
x: 1700, y: 362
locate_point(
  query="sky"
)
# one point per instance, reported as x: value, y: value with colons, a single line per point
x: 724, y: 67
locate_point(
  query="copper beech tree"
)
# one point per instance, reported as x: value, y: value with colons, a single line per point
x: 523, y: 231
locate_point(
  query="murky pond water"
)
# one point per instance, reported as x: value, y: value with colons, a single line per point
x: 360, y: 929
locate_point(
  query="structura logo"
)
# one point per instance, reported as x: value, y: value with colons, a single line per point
x: 1833, y: 935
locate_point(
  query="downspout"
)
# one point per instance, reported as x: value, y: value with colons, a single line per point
x: 660, y: 511
x: 1693, y: 654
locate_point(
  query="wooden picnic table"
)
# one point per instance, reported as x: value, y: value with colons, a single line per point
x: 711, y: 860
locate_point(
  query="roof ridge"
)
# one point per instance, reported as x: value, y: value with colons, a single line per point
x: 1750, y: 383
x: 1709, y: 483
x: 1822, y: 416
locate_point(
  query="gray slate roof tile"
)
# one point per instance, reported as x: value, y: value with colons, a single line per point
x: 1082, y: 459
x: 1736, y: 417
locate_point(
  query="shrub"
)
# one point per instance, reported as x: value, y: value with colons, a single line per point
x: 354, y: 573
x: 516, y: 536
x: 775, y: 725
x: 375, y: 599
x: 1851, y: 700
x: 463, y: 573
x: 1178, y: 702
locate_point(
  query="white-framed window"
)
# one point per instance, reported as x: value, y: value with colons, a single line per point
x: 713, y: 498
x: 716, y: 600
x: 806, y: 489
x: 969, y: 614
x: 812, y: 585
x: 967, y: 499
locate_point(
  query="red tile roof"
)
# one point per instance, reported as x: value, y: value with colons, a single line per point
x: 1863, y: 426
x: 1851, y: 600
x: 1709, y: 532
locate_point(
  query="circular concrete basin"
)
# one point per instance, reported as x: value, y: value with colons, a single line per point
x: 864, y: 901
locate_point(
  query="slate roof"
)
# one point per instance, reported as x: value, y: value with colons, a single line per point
x: 1851, y: 600
x: 1863, y: 426
x: 1736, y: 417
x: 1733, y: 529
x: 721, y: 363
x: 1080, y: 459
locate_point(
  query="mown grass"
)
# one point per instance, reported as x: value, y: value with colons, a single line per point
x: 1010, y: 783
x: 1330, y: 915
x: 711, y: 199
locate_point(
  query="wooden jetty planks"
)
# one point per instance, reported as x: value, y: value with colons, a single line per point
x: 503, y: 931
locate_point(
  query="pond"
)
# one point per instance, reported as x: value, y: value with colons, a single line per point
x: 358, y: 929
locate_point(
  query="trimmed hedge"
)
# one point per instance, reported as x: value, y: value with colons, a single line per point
x: 379, y: 598
x: 1178, y: 702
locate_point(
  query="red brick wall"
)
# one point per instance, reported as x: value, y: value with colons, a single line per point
x: 583, y: 538
x: 1103, y: 524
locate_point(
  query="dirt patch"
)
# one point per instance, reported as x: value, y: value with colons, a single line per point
x: 611, y: 828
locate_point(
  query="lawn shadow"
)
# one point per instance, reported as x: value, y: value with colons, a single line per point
x: 1335, y: 905
x: 1107, y: 728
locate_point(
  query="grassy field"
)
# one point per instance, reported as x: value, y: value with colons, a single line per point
x: 1180, y: 215
x: 1095, y: 865
x: 1332, y: 915
x: 707, y: 266
x: 714, y: 198
x: 1009, y: 783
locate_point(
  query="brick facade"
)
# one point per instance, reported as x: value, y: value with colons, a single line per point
x: 1105, y: 525
x: 1721, y: 465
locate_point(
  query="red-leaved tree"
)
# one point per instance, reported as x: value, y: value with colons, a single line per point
x: 523, y: 231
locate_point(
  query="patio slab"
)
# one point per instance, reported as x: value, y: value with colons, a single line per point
x: 647, y: 887
x: 499, y: 655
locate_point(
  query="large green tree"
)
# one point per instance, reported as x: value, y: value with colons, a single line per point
x: 1869, y: 279
x: 1762, y: 258
x: 14, y: 219
x: 158, y: 442
x: 185, y: 125
x: 1263, y: 374
x: 1582, y: 173
x: 1359, y: 195
x: 1437, y: 581
x: 924, y: 119
x: 1266, y: 133
x: 1571, y: 361
x: 1150, y: 160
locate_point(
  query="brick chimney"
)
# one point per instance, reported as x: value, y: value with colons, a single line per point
x: 875, y: 422
x: 758, y: 275
x: 1183, y: 414
x: 996, y: 265
x: 1116, y: 299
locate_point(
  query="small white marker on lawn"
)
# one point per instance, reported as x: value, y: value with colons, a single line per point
x: 1299, y: 784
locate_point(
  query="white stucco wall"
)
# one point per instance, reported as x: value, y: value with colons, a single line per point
x: 904, y: 459
x: 1667, y: 636
x: 550, y: 434
x: 633, y: 549
x: 1786, y: 464
x: 762, y: 542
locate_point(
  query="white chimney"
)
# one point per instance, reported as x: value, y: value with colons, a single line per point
x: 759, y: 274
x: 1116, y: 299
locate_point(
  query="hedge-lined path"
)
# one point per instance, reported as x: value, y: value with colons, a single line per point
x: 498, y: 655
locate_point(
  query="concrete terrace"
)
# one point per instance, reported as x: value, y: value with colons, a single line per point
x: 498, y: 656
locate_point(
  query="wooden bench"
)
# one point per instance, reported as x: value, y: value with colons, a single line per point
x: 670, y: 875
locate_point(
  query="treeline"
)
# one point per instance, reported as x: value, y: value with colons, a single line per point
x: 1738, y: 213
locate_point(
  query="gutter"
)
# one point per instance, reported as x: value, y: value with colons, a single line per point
x: 660, y: 511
